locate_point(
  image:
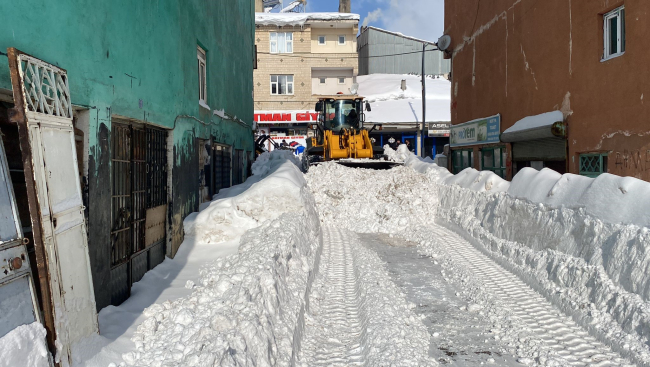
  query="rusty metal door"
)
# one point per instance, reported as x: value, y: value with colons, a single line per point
x: 139, y: 205
x: 44, y: 116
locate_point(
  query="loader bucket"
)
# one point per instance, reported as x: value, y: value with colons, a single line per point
x: 368, y: 164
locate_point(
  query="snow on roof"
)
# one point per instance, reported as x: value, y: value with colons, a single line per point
x: 299, y: 19
x: 534, y: 122
x: 402, y: 35
x: 390, y: 104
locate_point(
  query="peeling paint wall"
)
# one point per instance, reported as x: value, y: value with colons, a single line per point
x: 526, y: 57
x: 137, y: 59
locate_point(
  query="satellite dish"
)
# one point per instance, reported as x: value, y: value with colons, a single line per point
x: 444, y: 42
x: 355, y: 88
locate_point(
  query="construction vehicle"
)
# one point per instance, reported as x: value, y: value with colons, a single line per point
x: 339, y: 134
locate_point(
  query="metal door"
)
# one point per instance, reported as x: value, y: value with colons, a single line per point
x: 222, y: 166
x: 139, y: 205
x: 238, y: 167
x: 18, y: 303
x: 44, y: 117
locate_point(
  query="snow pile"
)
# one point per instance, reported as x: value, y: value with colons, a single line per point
x: 399, y: 155
x: 24, y: 346
x: 276, y: 187
x: 372, y: 201
x: 300, y: 19
x: 248, y: 308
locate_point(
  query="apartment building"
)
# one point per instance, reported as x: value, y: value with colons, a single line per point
x: 301, y: 56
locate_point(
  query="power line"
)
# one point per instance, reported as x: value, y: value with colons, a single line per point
x: 343, y: 57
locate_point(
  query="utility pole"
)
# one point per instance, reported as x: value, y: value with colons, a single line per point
x: 424, y: 100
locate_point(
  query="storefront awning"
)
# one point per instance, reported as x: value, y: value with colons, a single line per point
x: 546, y: 125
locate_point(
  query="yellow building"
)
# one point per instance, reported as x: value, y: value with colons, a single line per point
x: 300, y: 55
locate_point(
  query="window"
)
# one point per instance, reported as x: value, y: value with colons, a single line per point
x: 281, y: 84
x: 614, y: 33
x: 461, y: 159
x: 494, y: 159
x: 323, y: 80
x: 321, y: 40
x: 200, y: 55
x: 592, y: 165
x: 342, y: 80
x: 281, y: 42
x: 341, y: 40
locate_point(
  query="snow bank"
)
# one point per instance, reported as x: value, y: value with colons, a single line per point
x: 583, y: 242
x: 24, y: 346
x: 277, y: 186
x: 300, y: 19
x: 248, y: 308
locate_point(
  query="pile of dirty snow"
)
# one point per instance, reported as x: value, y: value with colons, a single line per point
x: 247, y: 307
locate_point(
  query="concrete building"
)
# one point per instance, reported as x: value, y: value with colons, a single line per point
x: 386, y: 52
x: 157, y: 126
x: 585, y: 59
x: 299, y: 56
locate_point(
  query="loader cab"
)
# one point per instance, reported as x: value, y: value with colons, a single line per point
x: 341, y: 113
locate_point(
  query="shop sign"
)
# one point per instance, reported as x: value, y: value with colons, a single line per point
x: 270, y: 117
x: 481, y: 131
x: 439, y: 129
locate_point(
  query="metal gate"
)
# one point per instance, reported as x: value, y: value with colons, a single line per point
x: 139, y: 204
x: 238, y: 168
x: 43, y: 114
x: 222, y: 166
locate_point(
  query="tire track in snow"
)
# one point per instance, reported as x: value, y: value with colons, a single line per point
x: 557, y: 331
x: 335, y: 329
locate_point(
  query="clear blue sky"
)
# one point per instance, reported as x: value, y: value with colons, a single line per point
x: 416, y: 18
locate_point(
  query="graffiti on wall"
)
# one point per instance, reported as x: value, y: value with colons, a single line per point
x: 631, y: 162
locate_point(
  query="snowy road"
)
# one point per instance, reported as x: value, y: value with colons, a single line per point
x: 538, y: 318
x: 335, y: 335
x: 337, y: 332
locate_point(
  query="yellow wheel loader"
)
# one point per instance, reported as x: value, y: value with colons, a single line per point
x: 339, y: 135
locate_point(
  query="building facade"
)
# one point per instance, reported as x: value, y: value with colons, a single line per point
x: 300, y: 56
x: 523, y: 62
x: 162, y: 112
x: 386, y: 52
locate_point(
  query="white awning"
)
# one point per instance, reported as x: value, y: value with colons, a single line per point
x: 534, y: 127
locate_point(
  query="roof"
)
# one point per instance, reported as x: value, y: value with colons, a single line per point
x: 398, y: 34
x: 300, y: 19
x: 390, y: 104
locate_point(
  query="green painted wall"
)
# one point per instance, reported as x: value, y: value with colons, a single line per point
x: 137, y: 59
x: 119, y: 52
